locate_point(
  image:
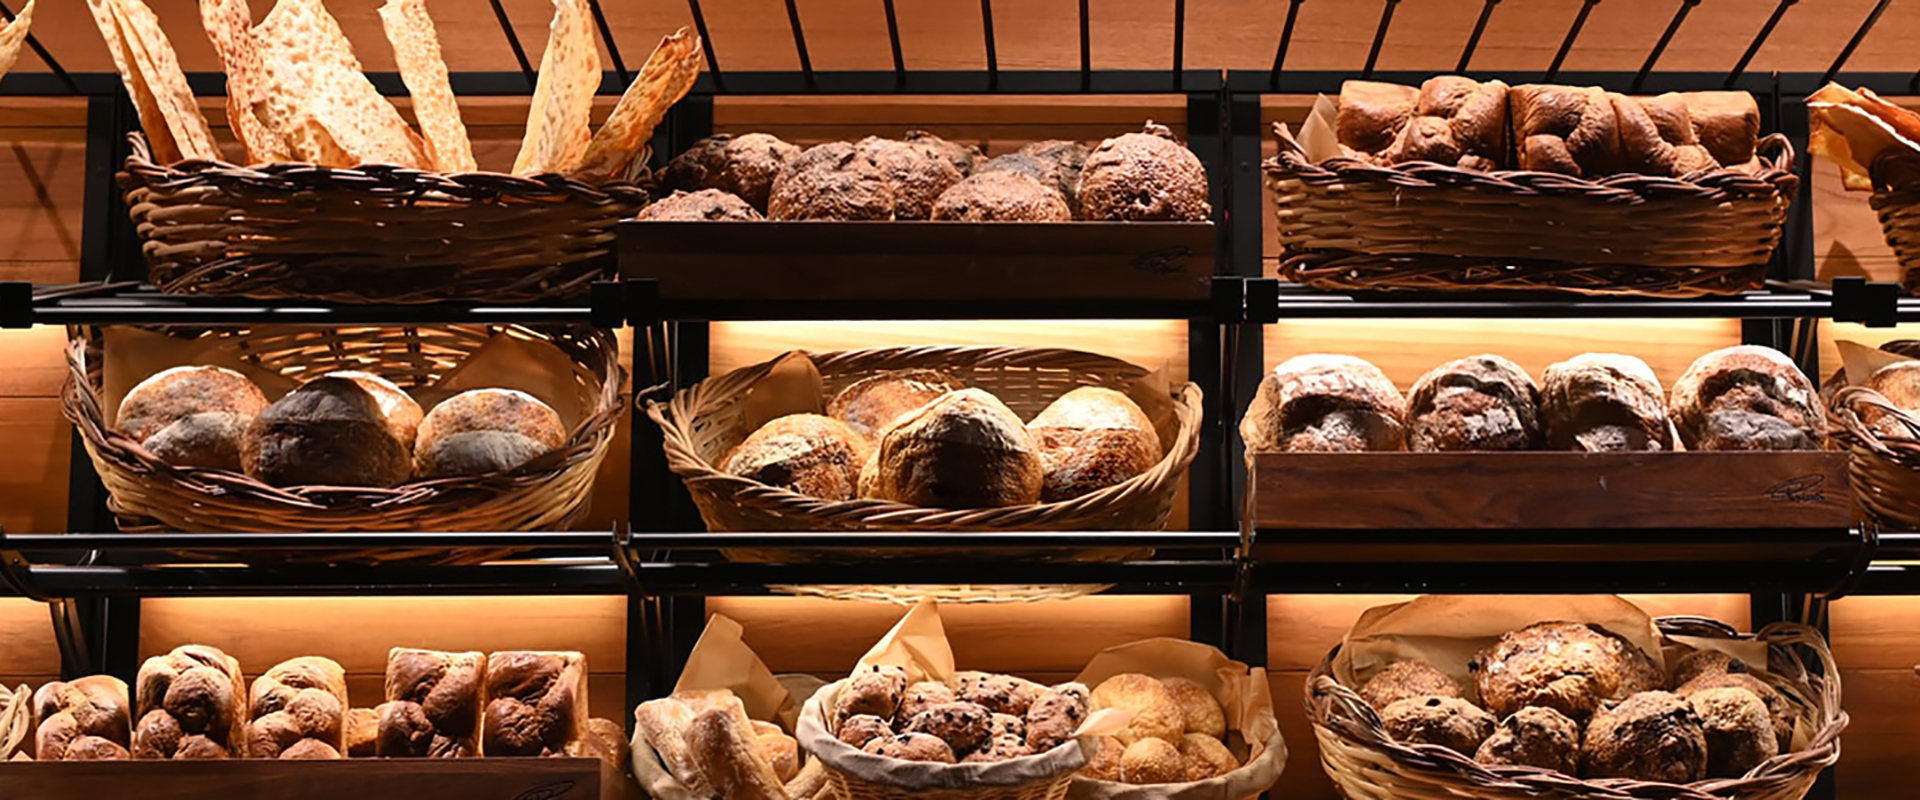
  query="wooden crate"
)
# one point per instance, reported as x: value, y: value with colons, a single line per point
x: 921, y: 260
x: 358, y: 779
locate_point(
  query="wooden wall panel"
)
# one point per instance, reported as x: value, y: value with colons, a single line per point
x: 27, y: 650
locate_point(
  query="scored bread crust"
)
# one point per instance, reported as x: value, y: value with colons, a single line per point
x: 963, y: 450
x: 807, y: 453
x: 1747, y: 397
x: 1325, y: 402
x: 871, y: 403
x: 1604, y: 402
x: 1482, y: 402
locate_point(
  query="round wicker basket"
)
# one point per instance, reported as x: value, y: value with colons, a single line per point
x: 1367, y: 764
x: 370, y: 235
x: 1345, y: 224
x: 148, y: 494
x: 1884, y: 455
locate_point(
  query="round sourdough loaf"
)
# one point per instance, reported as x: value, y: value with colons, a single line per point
x: 963, y: 450
x: 1092, y: 438
x: 1604, y: 402
x: 397, y: 408
x: 807, y: 453
x: 174, y: 394
x: 1144, y: 176
x: 1480, y: 403
x: 869, y: 404
x: 1325, y: 403
x: 328, y: 432
x: 1747, y: 398
x: 483, y: 431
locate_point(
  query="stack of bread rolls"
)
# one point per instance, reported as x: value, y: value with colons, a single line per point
x: 340, y: 429
x: 920, y: 437
x: 1176, y: 732
x: 1745, y: 397
x: 190, y: 704
x: 298, y: 710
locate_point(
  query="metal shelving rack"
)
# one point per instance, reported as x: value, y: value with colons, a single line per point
x: 88, y: 576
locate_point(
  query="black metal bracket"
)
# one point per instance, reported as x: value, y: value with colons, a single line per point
x: 1875, y: 304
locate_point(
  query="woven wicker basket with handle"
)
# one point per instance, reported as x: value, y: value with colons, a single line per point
x: 1367, y: 764
x: 148, y: 494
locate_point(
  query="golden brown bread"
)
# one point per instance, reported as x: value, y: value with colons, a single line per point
x: 663, y: 725
x: 605, y: 740
x: 1571, y: 130
x: 1602, y: 402
x: 1207, y: 756
x: 731, y: 759
x: 174, y: 394
x: 1105, y: 763
x: 781, y: 751
x: 433, y: 704
x: 1199, y: 707
x: 1092, y: 438
x: 66, y: 712
x: 189, y: 704
x: 963, y: 450
x: 1657, y: 137
x: 1323, y: 402
x: 397, y: 408
x: 807, y: 453
x: 1144, y: 176
x: 506, y: 410
x: 1404, y: 679
x: 330, y: 432
x: 536, y: 703
x: 1151, y: 760
x: 1899, y: 383
x: 1372, y: 116
x: 1569, y: 667
x: 1727, y: 124
x: 298, y: 700
x: 869, y: 404
x: 363, y: 731
x: 1155, y: 712
x: 1747, y: 397
x: 1450, y: 120
x: 1483, y: 402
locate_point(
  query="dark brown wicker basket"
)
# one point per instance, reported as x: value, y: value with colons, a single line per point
x: 1345, y: 224
x: 370, y: 235
x: 147, y: 494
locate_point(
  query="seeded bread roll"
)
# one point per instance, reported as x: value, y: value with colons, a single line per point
x: 1534, y: 737
x: 1778, y: 706
x: 1652, y: 736
x: 1144, y: 176
x: 1105, y: 763
x: 1153, y: 761
x: 299, y: 700
x: 831, y: 181
x: 859, y: 729
x: 1569, y: 667
x: 191, y: 704
x: 745, y: 165
x: 68, y: 712
x: 1446, y: 721
x: 1401, y: 680
x: 1656, y: 137
x: 536, y: 703
x: 328, y: 432
x: 1092, y: 438
x: 1481, y: 403
x: 168, y: 396
x: 806, y: 453
x: 1155, y: 712
x: 1747, y: 398
x: 869, y: 404
x: 1207, y: 756
x: 963, y: 450
x: 917, y: 175
x: 1202, y: 712
x: 1328, y: 403
x: 706, y: 205
x: 433, y: 704
x: 1604, y: 402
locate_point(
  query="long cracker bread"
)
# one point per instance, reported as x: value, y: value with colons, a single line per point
x: 151, y: 55
x: 230, y: 27
x: 14, y: 36
x: 316, y: 87
x: 163, y: 135
x: 668, y: 76
x: 558, y: 122
x: 416, y: 49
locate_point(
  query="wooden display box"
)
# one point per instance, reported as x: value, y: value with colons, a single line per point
x: 921, y: 260
x: 1548, y: 505
x: 354, y: 779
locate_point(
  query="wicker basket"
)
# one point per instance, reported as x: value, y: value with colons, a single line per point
x: 370, y: 235
x: 1884, y: 457
x: 1348, y: 225
x: 148, y: 494
x: 1366, y: 764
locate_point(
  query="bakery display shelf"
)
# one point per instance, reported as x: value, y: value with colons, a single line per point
x: 133, y: 303
x: 275, y: 779
x: 1270, y: 300
x: 918, y: 269
x: 52, y: 566
x: 676, y: 563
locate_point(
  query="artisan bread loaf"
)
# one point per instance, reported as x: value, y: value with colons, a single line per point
x: 1324, y: 402
x: 1144, y: 176
x: 1450, y: 120
x: 192, y: 416
x: 1899, y: 383
x: 807, y: 453
x: 869, y: 404
x: 1747, y: 397
x: 1601, y: 402
x: 82, y: 719
x: 833, y: 181
x: 299, y: 709
x: 744, y: 165
x: 397, y: 408
x: 1480, y: 403
x: 1154, y: 712
x: 1571, y: 130
x: 433, y: 704
x: 730, y: 757
x: 1092, y: 438
x: 536, y: 703
x: 330, y: 431
x: 483, y: 431
x: 963, y: 450
x: 917, y: 174
x: 190, y: 704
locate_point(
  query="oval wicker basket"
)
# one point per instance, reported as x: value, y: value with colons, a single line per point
x: 374, y: 234
x: 1883, y: 457
x: 147, y: 494
x: 1367, y: 764
x: 1896, y: 200
x: 1345, y: 224
x: 702, y: 423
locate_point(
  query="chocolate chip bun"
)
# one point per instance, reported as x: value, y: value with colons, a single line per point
x: 1569, y: 667
x: 832, y: 181
x: 745, y: 166
x: 192, y: 416
x: 706, y: 205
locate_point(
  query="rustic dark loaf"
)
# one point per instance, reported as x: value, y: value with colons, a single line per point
x: 1747, y: 398
x: 1480, y: 403
x: 1092, y: 438
x: 963, y: 450
x: 1323, y: 402
x: 331, y: 432
x: 1604, y: 402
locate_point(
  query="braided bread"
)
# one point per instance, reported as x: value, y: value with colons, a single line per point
x: 298, y: 710
x: 188, y: 703
x: 433, y: 704
x: 537, y: 703
x: 83, y: 719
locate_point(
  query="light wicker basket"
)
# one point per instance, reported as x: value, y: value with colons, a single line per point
x: 1367, y: 764
x: 1896, y: 199
x: 147, y: 494
x: 1883, y: 457
x: 375, y: 234
x: 1345, y: 224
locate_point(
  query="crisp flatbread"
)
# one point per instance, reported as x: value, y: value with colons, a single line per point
x: 13, y: 37
x: 416, y: 49
x: 559, y: 120
x: 317, y: 93
x: 230, y: 26
x: 668, y: 76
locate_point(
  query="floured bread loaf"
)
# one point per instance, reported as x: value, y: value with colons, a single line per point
x: 871, y: 403
x: 1324, y: 402
x: 806, y: 453
x: 192, y: 416
x: 963, y: 450
x: 483, y: 431
x: 1604, y: 402
x: 1480, y: 403
x: 1747, y: 398
x: 1092, y: 438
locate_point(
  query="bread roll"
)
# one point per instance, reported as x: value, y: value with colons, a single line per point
x: 171, y: 395
x: 1481, y: 403
x: 363, y: 731
x: 1738, y: 728
x: 1571, y: 130
x: 1569, y: 667
x: 964, y: 450
x: 1002, y: 197
x: 1207, y: 756
x: 706, y: 205
x: 328, y: 432
x: 731, y: 759
x: 781, y: 751
x: 1450, y: 120
x: 1325, y: 402
x: 1056, y: 715
x: 536, y: 703
x: 807, y: 453
x: 1600, y: 402
x: 1054, y: 164
x: 1534, y: 737
x: 1155, y: 712
x: 1657, y: 137
x: 963, y: 157
x: 869, y: 404
x: 506, y: 410
x: 1727, y: 124
x: 1449, y: 722
x: 433, y: 704
x: 1899, y: 383
x: 1144, y: 176
x: 745, y: 165
x: 66, y: 712
x: 1151, y: 760
x: 605, y: 740
x: 1199, y: 707
x: 831, y: 181
x: 1653, y: 736
x: 1092, y: 438
x: 1372, y: 117
x: 663, y: 724
x: 1747, y: 398
x: 397, y: 408
x: 917, y: 175
x: 303, y: 699
x: 190, y: 704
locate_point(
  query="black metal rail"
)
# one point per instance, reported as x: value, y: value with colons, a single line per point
x: 128, y: 303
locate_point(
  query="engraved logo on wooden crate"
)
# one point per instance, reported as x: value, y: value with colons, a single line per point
x: 1170, y: 261
x: 547, y: 792
x: 1802, y: 489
